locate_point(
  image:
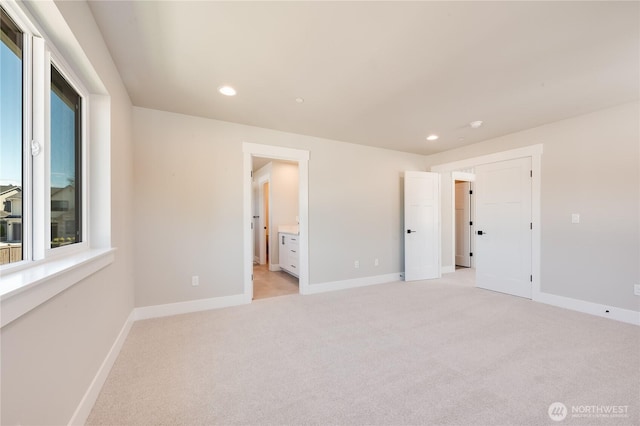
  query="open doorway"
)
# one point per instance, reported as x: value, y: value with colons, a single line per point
x: 275, y: 204
x: 463, y: 215
x: 301, y: 157
x: 463, y: 224
x: 506, y: 217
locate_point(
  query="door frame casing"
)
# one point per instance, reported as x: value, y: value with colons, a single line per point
x: 250, y: 150
x: 535, y: 152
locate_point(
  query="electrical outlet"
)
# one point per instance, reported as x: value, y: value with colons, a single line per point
x: 356, y: 264
x: 636, y: 289
x: 376, y: 262
x: 575, y: 218
x: 195, y: 280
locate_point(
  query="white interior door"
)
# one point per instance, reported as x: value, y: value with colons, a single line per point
x: 263, y: 221
x: 503, y: 227
x: 265, y: 231
x: 421, y: 225
x: 463, y: 223
x: 255, y: 220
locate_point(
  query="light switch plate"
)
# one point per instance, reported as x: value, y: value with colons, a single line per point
x: 575, y: 218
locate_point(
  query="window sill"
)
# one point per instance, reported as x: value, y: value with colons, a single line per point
x: 23, y: 290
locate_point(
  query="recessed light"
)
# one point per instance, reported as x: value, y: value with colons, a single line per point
x: 475, y: 124
x: 432, y: 137
x: 227, y: 90
x: 299, y: 100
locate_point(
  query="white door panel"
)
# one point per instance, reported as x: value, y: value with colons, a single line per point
x: 255, y: 222
x: 422, y: 225
x: 503, y: 216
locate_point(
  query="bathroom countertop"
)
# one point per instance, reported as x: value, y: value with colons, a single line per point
x: 289, y: 229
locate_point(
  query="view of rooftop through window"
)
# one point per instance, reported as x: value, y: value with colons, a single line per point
x: 11, y: 140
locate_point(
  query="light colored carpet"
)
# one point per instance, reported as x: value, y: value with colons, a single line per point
x: 430, y: 352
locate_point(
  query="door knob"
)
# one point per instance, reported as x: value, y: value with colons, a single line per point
x: 410, y: 231
x: 482, y: 233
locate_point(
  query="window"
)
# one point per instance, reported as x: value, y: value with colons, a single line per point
x: 54, y: 110
x: 42, y: 194
x: 11, y: 138
x: 65, y: 161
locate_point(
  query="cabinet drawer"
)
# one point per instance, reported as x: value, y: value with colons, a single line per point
x: 288, y: 251
x: 293, y: 264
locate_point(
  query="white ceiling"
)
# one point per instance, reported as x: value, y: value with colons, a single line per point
x: 384, y: 74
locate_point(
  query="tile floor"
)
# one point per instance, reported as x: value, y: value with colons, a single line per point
x: 271, y: 284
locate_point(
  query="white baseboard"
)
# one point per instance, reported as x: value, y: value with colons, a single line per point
x: 256, y: 259
x: 157, y: 311
x: 91, y: 395
x: 274, y: 268
x: 618, y: 314
x: 353, y: 283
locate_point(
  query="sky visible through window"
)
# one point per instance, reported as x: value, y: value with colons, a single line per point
x: 10, y: 117
x: 62, y: 130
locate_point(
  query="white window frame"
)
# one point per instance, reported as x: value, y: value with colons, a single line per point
x: 57, y: 61
x: 44, y: 271
x: 27, y: 168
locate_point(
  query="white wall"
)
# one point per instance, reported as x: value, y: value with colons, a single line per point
x: 51, y: 354
x: 284, y: 202
x: 590, y: 166
x: 355, y: 204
